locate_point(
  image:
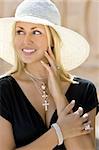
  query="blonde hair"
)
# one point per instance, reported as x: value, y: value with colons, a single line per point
x: 54, y: 42
x: 18, y: 65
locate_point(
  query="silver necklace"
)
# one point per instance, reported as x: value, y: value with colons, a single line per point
x: 42, y: 89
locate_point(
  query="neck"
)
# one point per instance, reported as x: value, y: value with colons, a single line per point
x: 37, y: 70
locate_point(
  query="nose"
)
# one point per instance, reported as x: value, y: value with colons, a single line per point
x: 28, y: 39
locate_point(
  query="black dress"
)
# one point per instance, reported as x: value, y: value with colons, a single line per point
x: 27, y: 123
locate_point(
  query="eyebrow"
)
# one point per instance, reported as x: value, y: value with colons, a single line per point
x: 23, y: 28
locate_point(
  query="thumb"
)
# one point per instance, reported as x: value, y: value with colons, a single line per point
x: 69, y: 107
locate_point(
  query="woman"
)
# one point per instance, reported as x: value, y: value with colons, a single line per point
x: 36, y: 96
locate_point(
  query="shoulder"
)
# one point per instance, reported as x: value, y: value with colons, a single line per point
x: 84, y: 83
x: 85, y: 93
x: 5, y: 98
x: 5, y: 83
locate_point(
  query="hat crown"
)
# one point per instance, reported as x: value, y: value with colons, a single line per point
x: 43, y: 9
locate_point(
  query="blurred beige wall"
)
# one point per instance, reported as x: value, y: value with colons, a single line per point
x: 79, y: 15
x: 83, y: 17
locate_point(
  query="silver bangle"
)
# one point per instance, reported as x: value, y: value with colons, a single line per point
x: 58, y: 132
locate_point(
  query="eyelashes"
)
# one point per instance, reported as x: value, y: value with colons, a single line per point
x: 19, y: 32
x: 35, y: 32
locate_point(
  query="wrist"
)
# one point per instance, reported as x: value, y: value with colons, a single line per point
x: 58, y: 133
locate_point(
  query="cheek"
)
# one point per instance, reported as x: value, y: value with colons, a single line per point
x: 17, y: 43
x: 42, y: 42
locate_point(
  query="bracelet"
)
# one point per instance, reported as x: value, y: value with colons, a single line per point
x: 58, y: 132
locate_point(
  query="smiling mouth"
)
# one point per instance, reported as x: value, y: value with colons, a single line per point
x: 28, y: 51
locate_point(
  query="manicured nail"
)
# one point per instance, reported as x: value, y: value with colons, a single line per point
x: 45, y: 52
x: 80, y: 108
x: 73, y: 102
x: 42, y: 62
x: 85, y: 115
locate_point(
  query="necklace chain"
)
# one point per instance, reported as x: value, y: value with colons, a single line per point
x: 42, y: 90
x: 33, y: 76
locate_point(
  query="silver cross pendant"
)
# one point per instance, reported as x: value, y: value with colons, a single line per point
x: 46, y: 104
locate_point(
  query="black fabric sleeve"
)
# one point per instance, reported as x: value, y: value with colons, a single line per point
x: 91, y: 100
x: 4, y: 100
x: 86, y: 95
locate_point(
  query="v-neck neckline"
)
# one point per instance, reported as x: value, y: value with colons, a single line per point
x: 27, y: 100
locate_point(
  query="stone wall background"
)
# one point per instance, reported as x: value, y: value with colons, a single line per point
x: 81, y: 16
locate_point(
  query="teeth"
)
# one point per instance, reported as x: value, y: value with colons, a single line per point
x: 29, y: 50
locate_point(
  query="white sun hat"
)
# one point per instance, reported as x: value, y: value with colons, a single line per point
x: 74, y: 50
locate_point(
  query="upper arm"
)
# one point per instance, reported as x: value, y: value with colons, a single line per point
x: 6, y: 135
x: 92, y: 116
x: 6, y: 132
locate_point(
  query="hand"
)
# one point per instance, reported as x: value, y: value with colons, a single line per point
x: 54, y: 83
x: 73, y: 124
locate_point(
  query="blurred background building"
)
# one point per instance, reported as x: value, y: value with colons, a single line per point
x: 81, y: 16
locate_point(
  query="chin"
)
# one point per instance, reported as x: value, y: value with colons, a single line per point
x: 29, y: 60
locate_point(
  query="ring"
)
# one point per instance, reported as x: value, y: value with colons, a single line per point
x: 87, y: 127
x: 58, y: 67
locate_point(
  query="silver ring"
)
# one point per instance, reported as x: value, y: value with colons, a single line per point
x: 87, y: 127
x: 58, y: 67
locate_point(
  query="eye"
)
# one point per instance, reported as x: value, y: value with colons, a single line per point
x: 20, y: 32
x: 36, y: 32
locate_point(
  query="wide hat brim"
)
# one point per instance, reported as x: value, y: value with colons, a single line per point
x: 74, y: 51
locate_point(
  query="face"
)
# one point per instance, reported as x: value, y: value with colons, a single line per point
x: 30, y: 41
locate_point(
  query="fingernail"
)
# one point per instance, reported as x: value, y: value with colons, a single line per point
x: 73, y: 101
x: 42, y: 62
x: 45, y: 52
x: 80, y: 108
x: 85, y: 115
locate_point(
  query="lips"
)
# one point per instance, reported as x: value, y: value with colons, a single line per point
x: 28, y: 51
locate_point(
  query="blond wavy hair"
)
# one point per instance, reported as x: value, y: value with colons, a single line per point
x: 55, y: 43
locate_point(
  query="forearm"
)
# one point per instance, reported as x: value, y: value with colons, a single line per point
x: 46, y: 142
x: 83, y: 142
x: 61, y: 104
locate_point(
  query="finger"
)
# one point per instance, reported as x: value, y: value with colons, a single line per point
x: 79, y: 112
x: 87, y: 126
x: 83, y: 132
x: 85, y: 118
x: 50, y: 60
x: 46, y: 66
x: 69, y: 107
x: 51, y: 53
